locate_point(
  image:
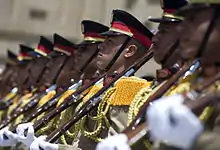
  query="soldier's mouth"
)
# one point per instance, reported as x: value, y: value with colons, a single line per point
x: 99, y: 55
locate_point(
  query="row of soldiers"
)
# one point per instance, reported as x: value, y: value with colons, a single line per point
x: 63, y: 95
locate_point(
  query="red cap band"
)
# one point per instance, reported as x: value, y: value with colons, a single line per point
x: 132, y: 32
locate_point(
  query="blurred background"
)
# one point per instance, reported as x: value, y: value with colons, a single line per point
x: 23, y: 21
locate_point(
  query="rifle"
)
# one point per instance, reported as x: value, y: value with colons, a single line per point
x: 51, y: 103
x: 33, y: 102
x: 73, y: 98
x: 140, y: 132
x: 47, y: 106
x: 161, y: 91
x: 95, y: 99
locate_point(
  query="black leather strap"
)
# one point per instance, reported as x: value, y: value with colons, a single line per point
x: 111, y: 63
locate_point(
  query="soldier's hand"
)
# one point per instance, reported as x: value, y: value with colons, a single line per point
x: 116, y: 142
x: 26, y: 139
x: 21, y: 128
x: 40, y: 143
x: 7, y: 138
x: 171, y: 121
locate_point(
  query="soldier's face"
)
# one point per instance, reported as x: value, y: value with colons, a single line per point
x: 84, y: 53
x: 74, y: 64
x: 52, y: 69
x: 107, y: 51
x: 192, y: 32
x: 164, y: 40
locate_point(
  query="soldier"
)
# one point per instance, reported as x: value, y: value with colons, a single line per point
x: 128, y: 31
x: 24, y: 87
x: 199, y: 35
x: 84, y: 57
x: 34, y: 70
x: 164, y: 46
x: 6, y: 76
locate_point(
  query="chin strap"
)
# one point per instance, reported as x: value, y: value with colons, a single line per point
x: 89, y: 60
x: 118, y: 53
x: 213, y: 21
x: 171, y: 51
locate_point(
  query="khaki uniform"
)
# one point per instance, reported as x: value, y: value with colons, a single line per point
x: 115, y: 105
x: 209, y: 139
x: 182, y: 86
x: 54, y: 122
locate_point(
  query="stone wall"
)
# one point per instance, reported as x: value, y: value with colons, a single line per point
x: 22, y: 21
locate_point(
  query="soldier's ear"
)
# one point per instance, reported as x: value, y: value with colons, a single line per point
x: 130, y: 51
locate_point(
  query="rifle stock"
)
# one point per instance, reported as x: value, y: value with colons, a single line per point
x: 95, y: 99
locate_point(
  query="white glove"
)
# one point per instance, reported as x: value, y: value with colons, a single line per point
x: 26, y: 140
x: 116, y: 142
x: 41, y: 143
x: 170, y: 121
x: 11, y: 139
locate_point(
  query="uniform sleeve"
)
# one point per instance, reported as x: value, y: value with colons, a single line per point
x: 210, y: 139
x: 207, y: 141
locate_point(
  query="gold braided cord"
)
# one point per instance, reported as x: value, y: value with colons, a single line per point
x: 137, y: 102
x: 120, y: 95
x: 127, y: 88
x: 66, y: 115
x: 142, y: 96
x: 63, y: 140
x: 55, y: 121
x: 101, y: 114
x: 45, y: 129
x: 87, y: 94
